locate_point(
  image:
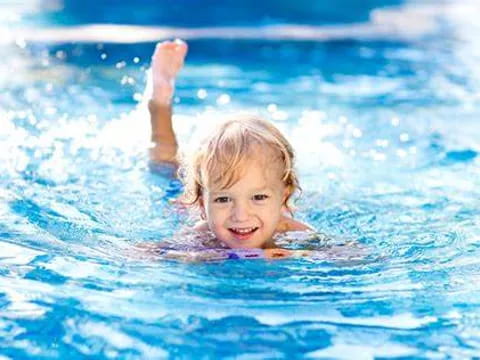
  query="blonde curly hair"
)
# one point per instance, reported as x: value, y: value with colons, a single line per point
x: 222, y: 157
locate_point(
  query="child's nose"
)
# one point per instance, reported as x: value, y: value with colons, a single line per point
x: 240, y: 211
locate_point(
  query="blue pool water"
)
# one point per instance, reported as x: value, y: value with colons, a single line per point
x: 381, y: 102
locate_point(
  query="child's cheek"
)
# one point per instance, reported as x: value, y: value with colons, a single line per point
x: 214, y: 219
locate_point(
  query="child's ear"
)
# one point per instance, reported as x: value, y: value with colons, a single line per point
x: 286, y: 194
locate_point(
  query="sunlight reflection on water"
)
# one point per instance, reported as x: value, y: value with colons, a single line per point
x: 386, y: 134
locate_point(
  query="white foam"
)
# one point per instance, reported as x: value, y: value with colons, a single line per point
x: 16, y: 255
x: 401, y: 321
x: 277, y: 316
x: 363, y: 352
x: 112, y: 336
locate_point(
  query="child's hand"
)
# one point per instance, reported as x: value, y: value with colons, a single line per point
x: 277, y: 253
x: 284, y: 253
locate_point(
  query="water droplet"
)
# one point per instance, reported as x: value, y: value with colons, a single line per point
x: 127, y: 80
x: 223, y: 99
x: 280, y: 115
x: 202, y: 94
x: 378, y: 156
x: 137, y: 97
x: 50, y: 110
x: 357, y: 133
x: 381, y: 143
x: 20, y: 42
x: 272, y: 108
x: 347, y: 144
x: 401, y: 153
x: 60, y: 54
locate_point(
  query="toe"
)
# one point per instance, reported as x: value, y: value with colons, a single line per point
x: 180, y: 42
x: 164, y: 45
x: 181, y: 46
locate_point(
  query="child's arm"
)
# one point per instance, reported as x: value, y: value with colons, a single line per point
x: 157, y: 251
x: 167, y: 61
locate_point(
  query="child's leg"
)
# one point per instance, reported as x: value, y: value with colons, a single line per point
x: 167, y: 60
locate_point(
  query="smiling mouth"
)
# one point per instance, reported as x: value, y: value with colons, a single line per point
x: 243, y: 232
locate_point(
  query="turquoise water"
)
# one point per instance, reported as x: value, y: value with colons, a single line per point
x: 386, y: 131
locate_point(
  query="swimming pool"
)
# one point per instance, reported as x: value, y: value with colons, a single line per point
x: 384, y: 119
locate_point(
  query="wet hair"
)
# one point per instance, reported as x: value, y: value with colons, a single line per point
x: 224, y: 155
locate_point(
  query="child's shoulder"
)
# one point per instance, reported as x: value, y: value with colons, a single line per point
x: 289, y: 224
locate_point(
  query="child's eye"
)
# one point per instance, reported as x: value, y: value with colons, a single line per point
x: 260, y: 197
x: 222, y: 199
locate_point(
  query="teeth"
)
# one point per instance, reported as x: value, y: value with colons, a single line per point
x: 243, y: 230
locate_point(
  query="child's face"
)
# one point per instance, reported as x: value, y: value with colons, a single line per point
x: 247, y: 214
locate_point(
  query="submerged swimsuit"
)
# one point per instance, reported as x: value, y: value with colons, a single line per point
x: 231, y: 254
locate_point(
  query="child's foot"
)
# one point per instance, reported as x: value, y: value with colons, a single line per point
x: 167, y: 60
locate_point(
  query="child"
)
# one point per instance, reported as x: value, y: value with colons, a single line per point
x: 241, y: 177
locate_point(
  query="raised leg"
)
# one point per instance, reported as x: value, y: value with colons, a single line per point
x: 167, y: 61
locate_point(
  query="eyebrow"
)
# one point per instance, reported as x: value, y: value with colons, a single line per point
x: 226, y: 191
